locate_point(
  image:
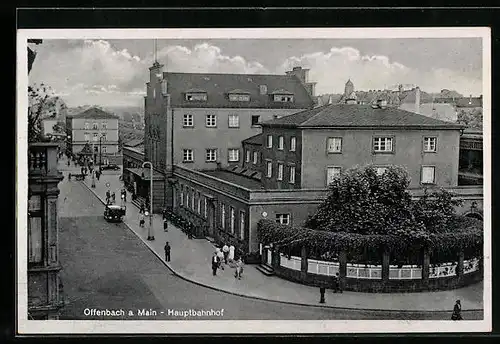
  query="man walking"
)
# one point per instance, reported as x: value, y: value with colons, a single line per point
x: 108, y: 196
x: 167, y: 251
x: 225, y: 250
x: 215, y: 263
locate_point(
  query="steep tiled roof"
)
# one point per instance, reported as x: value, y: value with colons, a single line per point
x: 254, y: 140
x: 96, y: 113
x: 218, y: 86
x: 343, y: 115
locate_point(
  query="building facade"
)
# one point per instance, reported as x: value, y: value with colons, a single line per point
x: 44, y: 286
x: 308, y: 149
x: 98, y: 129
x: 198, y: 121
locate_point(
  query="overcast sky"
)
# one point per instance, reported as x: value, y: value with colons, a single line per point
x: 114, y: 72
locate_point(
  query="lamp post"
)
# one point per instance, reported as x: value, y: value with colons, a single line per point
x: 150, y: 229
x: 100, y: 153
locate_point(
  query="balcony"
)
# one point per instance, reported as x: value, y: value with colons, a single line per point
x: 42, y: 159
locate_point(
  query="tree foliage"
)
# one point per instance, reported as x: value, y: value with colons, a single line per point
x: 40, y: 106
x: 472, y: 118
x: 365, y: 211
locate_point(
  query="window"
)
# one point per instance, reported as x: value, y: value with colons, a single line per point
x: 104, y: 137
x: 428, y: 174
x: 430, y: 144
x: 242, y: 225
x: 86, y: 125
x: 255, y: 120
x: 104, y: 125
x: 187, y: 198
x: 380, y: 170
x: 94, y: 126
x: 281, y: 143
x: 283, y: 219
x: 87, y: 137
x: 205, y: 208
x: 382, y: 144
x: 231, y: 219
x: 199, y: 203
x: 247, y: 159
x: 255, y: 158
x: 211, y: 121
x: 239, y: 97
x: 334, y: 145
x: 283, y: 99
x: 280, y: 172
x: 269, y: 169
x: 332, y: 173
x: 234, y: 121
x: 154, y: 92
x: 182, y: 195
x: 211, y: 155
x: 187, y: 155
x: 293, y: 143
x: 222, y: 216
x: 234, y: 154
x: 192, y: 199
x: 96, y: 149
x: 104, y: 149
x: 95, y: 137
x: 35, y: 229
x: 269, y: 141
x: 196, y: 97
x: 291, y: 180
x: 188, y: 120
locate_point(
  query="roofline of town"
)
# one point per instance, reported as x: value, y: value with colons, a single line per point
x: 368, y: 127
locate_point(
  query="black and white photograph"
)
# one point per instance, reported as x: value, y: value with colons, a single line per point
x: 293, y: 180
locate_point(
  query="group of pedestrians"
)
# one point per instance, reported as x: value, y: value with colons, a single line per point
x: 225, y: 256
x: 110, y: 197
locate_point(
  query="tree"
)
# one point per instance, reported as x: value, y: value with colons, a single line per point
x: 39, y: 107
x: 471, y: 118
x: 364, y: 202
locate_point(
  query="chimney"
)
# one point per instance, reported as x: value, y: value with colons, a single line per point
x: 320, y: 101
x: 417, y: 100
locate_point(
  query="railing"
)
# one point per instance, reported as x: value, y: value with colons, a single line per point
x: 320, y: 267
x: 293, y: 263
x: 471, y: 265
x: 405, y: 272
x: 362, y: 271
x: 443, y: 270
x: 42, y: 158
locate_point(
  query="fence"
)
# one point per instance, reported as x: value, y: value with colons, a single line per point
x: 405, y: 272
x: 443, y: 270
x: 364, y: 271
x: 294, y: 263
x: 319, y: 267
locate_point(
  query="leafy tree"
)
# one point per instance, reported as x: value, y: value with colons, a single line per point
x: 361, y: 201
x: 40, y: 107
x: 471, y: 118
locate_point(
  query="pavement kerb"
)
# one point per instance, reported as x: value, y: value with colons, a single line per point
x: 180, y: 275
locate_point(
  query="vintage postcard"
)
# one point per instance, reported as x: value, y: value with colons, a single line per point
x: 287, y: 180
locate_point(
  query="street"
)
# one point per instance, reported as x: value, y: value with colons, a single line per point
x: 106, y: 267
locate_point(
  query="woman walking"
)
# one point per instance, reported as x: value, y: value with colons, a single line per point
x: 457, y: 311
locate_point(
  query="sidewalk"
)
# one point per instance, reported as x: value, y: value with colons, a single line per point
x: 190, y: 260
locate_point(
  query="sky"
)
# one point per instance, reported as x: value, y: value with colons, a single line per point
x: 114, y: 72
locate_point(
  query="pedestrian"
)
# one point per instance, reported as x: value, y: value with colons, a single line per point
x: 239, y: 268
x: 142, y: 210
x: 113, y: 197
x: 165, y: 225
x: 230, y: 257
x: 141, y: 220
x: 108, y: 196
x: 322, y: 294
x: 167, y: 251
x: 215, y: 263
x: 225, y: 250
x: 164, y: 214
x: 336, y: 284
x: 124, y: 193
x: 457, y: 311
x: 220, y: 256
x: 81, y: 170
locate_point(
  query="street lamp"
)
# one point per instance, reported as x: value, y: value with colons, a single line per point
x: 150, y: 234
x: 100, y: 153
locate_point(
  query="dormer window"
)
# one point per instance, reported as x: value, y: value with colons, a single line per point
x: 239, y: 96
x: 282, y: 96
x: 196, y: 95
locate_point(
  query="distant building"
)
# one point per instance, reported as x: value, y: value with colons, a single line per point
x: 95, y: 128
x: 198, y: 120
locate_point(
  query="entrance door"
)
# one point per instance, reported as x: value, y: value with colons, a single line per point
x: 269, y: 257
